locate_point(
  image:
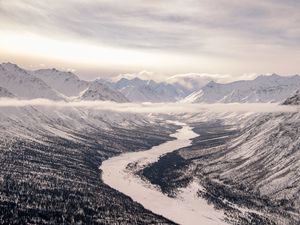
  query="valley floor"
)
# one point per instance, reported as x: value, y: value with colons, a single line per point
x: 187, y: 209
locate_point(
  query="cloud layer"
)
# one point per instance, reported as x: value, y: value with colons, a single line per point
x: 165, y: 24
x: 229, y: 37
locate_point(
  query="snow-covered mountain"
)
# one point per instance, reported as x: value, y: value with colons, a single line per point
x: 60, y: 85
x: 138, y: 90
x: 264, y: 88
x: 66, y: 83
x: 70, y: 85
x: 52, y: 84
x: 293, y: 100
x: 24, y: 84
x: 99, y: 91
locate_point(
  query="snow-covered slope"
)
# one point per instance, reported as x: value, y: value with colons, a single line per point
x: 70, y: 85
x: 99, y: 91
x: 4, y: 93
x: 50, y: 159
x: 23, y: 84
x: 52, y: 84
x: 252, y: 163
x: 137, y: 90
x: 66, y: 83
x: 272, y: 88
x: 293, y: 100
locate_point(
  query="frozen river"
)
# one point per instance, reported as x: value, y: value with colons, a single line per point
x: 186, y: 208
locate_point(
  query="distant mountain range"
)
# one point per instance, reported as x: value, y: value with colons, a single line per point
x: 273, y: 88
x: 60, y: 85
x: 52, y: 84
x: 138, y: 90
x: 24, y: 84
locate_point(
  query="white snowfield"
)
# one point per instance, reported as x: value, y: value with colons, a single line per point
x: 186, y: 208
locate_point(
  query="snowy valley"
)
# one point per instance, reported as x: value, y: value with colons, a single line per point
x: 86, y: 164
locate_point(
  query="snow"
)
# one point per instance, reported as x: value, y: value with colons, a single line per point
x: 267, y: 143
x: 24, y: 84
x: 294, y: 99
x: 52, y: 84
x: 272, y: 88
x: 70, y: 85
x: 99, y: 91
x: 185, y: 209
x: 138, y: 90
x: 4, y: 93
x: 66, y: 83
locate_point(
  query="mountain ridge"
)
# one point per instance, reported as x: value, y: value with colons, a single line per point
x: 138, y: 90
x: 52, y: 84
x: 273, y: 88
x: 24, y: 84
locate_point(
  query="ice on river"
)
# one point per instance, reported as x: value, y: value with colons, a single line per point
x: 186, y: 208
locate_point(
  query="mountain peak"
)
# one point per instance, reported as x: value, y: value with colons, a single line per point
x: 139, y: 90
x: 24, y: 84
x: 265, y: 88
x: 55, y: 72
x: 65, y: 82
x: 137, y: 79
x: 132, y: 79
x: 10, y: 66
x: 275, y: 75
x: 123, y: 79
x: 211, y: 84
x: 99, y: 91
x: 264, y: 76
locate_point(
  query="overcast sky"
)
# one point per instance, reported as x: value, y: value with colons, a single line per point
x: 165, y: 37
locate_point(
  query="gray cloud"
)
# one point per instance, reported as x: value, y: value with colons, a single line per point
x: 229, y: 37
x: 173, y: 25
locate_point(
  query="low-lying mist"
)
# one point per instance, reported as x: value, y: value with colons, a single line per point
x: 148, y: 107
